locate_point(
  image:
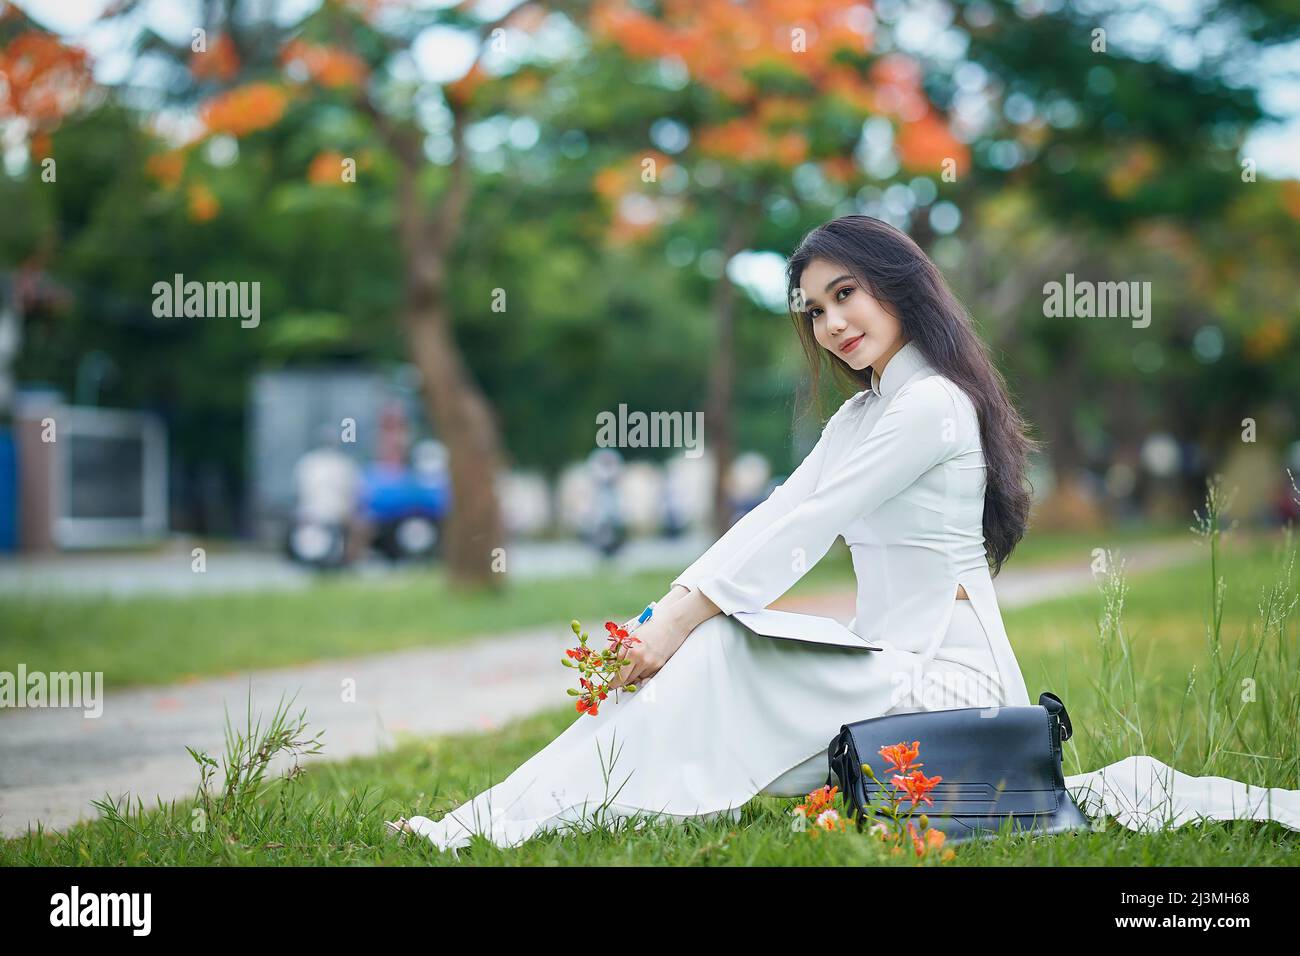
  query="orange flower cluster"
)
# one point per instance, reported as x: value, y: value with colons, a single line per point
x: 819, y: 809
x: 203, y: 204
x: 1291, y: 198
x: 597, y: 668
x: 916, y: 785
x: 924, y: 139
x: 219, y: 62
x: 326, y: 169
x: 933, y: 840
x: 845, y: 84
x: 896, y: 87
x: 901, y: 757
x: 245, y: 109
x: 746, y: 139
x: 1266, y: 340
x: 721, y: 43
x: 909, y: 783
x: 908, y: 777
x: 637, y: 210
x: 41, y: 78
x: 1135, y: 168
x: 782, y: 111
x: 167, y: 168
x: 327, y: 65
x: 614, y: 182
x: 41, y: 145
x: 923, y: 145
x: 460, y: 91
x: 841, y: 169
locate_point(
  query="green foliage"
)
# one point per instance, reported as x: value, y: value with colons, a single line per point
x: 589, y: 326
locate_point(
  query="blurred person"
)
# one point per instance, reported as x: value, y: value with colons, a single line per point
x: 673, y: 517
x: 748, y: 484
x: 394, y: 435
x: 326, y: 530
x: 605, y: 531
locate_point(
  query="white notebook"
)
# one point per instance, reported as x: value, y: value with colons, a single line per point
x: 808, y: 628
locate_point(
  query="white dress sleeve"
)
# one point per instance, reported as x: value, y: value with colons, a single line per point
x: 918, y: 430
x: 781, y: 501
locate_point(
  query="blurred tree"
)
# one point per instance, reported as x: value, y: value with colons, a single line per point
x: 356, y: 57
x: 1116, y: 164
x: 778, y: 89
x: 42, y: 80
x: 611, y: 165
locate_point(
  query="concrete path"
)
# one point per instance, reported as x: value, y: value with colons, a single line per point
x: 53, y: 762
x: 170, y: 568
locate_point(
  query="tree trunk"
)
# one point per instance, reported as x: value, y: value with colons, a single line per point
x: 455, y: 404
x: 467, y: 425
x: 739, y: 220
x: 1071, y: 506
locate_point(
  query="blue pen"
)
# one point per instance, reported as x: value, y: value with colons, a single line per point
x: 645, y: 615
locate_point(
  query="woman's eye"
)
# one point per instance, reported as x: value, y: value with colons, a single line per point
x: 813, y: 313
x: 847, y: 288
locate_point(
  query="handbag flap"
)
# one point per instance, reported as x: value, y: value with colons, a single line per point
x: 991, y: 759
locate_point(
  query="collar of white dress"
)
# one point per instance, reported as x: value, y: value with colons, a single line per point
x: 898, y: 370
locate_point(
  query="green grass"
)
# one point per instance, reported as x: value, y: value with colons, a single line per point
x: 1041, y: 547
x: 1149, y: 664
x: 153, y: 640
x: 156, y: 640
x: 150, y: 640
x: 335, y: 816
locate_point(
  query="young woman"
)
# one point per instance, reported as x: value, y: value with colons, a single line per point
x: 921, y: 472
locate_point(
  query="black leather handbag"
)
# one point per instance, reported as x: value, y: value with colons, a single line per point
x: 1001, y: 768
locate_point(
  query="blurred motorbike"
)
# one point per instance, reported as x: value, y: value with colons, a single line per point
x: 407, y: 508
x: 316, y: 543
x: 326, y: 482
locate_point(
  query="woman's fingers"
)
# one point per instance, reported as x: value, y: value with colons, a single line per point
x: 644, y: 669
x: 624, y: 672
x: 636, y: 670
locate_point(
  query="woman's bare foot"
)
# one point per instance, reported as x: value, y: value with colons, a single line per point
x: 398, y: 829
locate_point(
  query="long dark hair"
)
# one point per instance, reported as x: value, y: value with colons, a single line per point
x: 903, y: 279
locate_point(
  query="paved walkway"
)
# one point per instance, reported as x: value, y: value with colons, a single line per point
x: 53, y: 762
x: 169, y: 569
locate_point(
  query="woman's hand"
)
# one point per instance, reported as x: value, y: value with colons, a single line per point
x: 660, y: 637
x: 674, y: 595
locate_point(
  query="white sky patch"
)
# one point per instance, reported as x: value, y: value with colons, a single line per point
x: 762, y: 276
x: 1275, y: 147
x: 67, y: 17
x: 444, y: 54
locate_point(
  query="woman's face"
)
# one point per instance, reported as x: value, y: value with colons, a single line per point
x: 843, y: 313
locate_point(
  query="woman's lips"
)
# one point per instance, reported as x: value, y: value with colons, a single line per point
x: 851, y: 344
